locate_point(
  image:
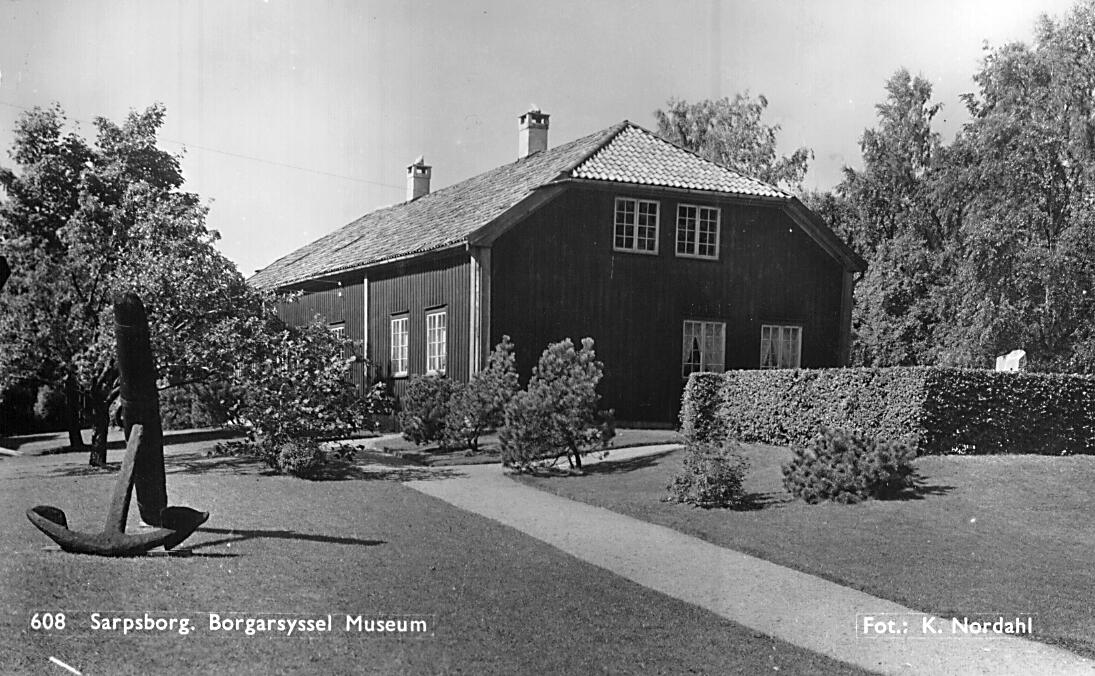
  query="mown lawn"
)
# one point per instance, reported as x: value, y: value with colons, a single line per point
x: 497, y: 601
x: 998, y: 534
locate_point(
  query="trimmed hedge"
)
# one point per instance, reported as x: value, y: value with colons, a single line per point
x: 934, y: 410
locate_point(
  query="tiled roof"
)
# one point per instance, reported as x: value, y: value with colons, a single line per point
x: 624, y: 153
x: 638, y: 156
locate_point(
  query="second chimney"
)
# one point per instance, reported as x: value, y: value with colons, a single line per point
x: 532, y: 132
x: 418, y: 179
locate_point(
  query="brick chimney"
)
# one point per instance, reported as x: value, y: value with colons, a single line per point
x: 533, y: 130
x: 418, y: 179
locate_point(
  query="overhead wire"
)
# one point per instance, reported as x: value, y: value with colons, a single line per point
x: 186, y: 145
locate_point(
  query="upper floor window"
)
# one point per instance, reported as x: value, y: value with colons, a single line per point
x: 636, y: 226
x: 436, y: 344
x: 697, y: 231
x: 704, y: 347
x: 780, y: 346
x: 400, y: 342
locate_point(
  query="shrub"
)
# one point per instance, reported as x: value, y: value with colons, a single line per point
x: 557, y: 414
x: 848, y: 467
x: 425, y: 407
x: 935, y: 410
x: 294, y: 383
x: 301, y: 457
x: 480, y: 405
x: 699, y: 408
x: 712, y: 476
x: 291, y: 391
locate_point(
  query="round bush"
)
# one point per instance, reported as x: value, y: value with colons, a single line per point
x: 712, y: 476
x: 425, y: 406
x: 847, y: 467
x: 299, y: 458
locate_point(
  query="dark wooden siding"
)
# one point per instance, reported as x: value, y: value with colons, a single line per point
x: 555, y: 275
x: 335, y: 305
x: 413, y: 288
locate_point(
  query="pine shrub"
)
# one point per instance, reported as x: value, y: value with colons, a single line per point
x: 480, y: 405
x: 848, y: 467
x: 712, y: 476
x: 556, y: 415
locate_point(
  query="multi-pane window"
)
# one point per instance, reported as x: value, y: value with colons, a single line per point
x: 400, y: 341
x: 780, y: 346
x: 435, y: 341
x: 697, y: 231
x: 636, y: 225
x: 704, y: 347
x: 339, y: 332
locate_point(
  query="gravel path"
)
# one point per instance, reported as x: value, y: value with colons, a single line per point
x: 805, y: 610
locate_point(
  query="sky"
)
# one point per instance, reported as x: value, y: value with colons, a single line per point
x: 295, y: 117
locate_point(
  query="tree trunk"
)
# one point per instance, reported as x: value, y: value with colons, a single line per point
x: 100, y: 418
x: 72, y: 414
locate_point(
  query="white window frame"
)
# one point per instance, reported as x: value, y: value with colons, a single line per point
x: 400, y: 345
x: 437, y: 345
x: 788, y: 345
x: 339, y: 332
x: 711, y: 337
x: 692, y: 245
x: 617, y: 224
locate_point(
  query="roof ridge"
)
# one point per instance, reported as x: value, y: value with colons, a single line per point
x: 627, y: 157
x: 610, y: 134
x: 712, y: 162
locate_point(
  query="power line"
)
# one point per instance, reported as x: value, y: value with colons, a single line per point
x: 241, y: 156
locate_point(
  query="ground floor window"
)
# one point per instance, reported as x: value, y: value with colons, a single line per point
x: 435, y: 341
x: 780, y: 346
x: 400, y: 341
x: 704, y: 347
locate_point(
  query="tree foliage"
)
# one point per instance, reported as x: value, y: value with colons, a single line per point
x: 985, y: 244
x: 731, y: 132
x: 83, y: 221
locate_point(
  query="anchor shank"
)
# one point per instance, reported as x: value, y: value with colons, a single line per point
x: 123, y: 488
x: 141, y: 404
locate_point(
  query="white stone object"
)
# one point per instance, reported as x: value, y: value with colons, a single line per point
x: 1016, y: 360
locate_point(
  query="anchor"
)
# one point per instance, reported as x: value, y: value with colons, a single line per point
x: 143, y: 466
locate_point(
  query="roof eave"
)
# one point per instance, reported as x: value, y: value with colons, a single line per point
x: 445, y: 249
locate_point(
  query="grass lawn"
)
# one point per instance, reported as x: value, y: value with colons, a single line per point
x: 490, y: 448
x: 996, y: 534
x: 496, y: 600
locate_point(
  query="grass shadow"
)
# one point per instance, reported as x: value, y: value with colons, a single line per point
x: 84, y: 470
x: 919, y: 490
x: 341, y: 470
x: 232, y: 535
x: 199, y: 463
x: 768, y: 500
x: 610, y: 466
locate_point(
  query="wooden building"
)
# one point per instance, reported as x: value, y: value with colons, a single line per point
x: 672, y: 263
